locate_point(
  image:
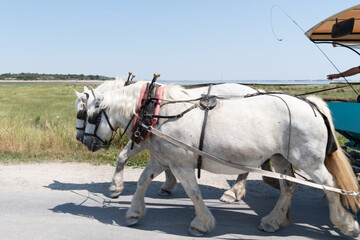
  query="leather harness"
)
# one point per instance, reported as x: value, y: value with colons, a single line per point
x: 149, y: 108
x: 207, y: 103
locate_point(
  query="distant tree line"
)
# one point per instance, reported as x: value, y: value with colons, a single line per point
x: 43, y: 76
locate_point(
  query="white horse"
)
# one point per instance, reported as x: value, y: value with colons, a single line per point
x: 236, y: 192
x: 243, y: 131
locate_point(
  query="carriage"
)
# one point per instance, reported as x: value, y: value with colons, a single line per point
x: 343, y: 30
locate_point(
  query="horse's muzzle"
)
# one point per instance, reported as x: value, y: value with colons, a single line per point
x: 92, y: 143
x: 80, y: 136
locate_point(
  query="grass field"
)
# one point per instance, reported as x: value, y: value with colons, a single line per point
x: 37, y: 124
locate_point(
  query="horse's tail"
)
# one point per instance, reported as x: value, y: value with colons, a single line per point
x: 338, y: 164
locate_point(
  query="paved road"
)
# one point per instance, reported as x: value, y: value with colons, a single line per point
x: 69, y: 201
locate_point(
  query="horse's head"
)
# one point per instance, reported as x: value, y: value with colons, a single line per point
x: 81, y: 112
x: 99, y: 128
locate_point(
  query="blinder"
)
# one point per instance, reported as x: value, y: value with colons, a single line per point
x: 95, y: 119
x: 82, y: 114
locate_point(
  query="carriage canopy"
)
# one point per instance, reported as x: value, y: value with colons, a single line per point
x: 341, y: 29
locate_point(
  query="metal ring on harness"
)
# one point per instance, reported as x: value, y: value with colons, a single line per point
x: 137, y: 134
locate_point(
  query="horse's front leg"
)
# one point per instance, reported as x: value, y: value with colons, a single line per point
x: 237, y: 191
x: 137, y: 209
x: 117, y: 184
x: 280, y: 215
x: 204, y: 220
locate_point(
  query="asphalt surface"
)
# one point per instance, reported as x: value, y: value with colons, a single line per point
x: 70, y: 201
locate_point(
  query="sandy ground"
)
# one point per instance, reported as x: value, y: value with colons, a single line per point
x: 70, y: 201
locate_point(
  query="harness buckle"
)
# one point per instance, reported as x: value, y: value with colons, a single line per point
x: 137, y: 134
x: 350, y: 193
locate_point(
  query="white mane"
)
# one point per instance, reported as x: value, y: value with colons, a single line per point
x: 175, y: 92
x: 123, y: 101
x: 109, y: 85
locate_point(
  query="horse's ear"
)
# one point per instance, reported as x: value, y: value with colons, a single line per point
x: 78, y: 94
x: 86, y: 92
x: 93, y: 91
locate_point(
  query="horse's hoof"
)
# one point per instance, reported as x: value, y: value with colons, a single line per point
x: 227, y: 199
x: 132, y: 221
x: 164, y: 193
x: 195, y: 232
x: 266, y: 228
x: 115, y: 194
x: 354, y: 232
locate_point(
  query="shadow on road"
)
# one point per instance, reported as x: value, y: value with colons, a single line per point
x: 173, y: 215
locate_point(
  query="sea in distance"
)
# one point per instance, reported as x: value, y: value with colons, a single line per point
x: 186, y: 82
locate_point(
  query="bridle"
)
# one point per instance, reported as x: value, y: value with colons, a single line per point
x: 95, y: 119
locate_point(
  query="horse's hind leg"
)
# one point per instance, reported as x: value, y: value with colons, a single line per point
x: 237, y: 191
x: 117, y: 184
x: 204, y: 220
x: 343, y: 219
x: 279, y: 216
x: 137, y: 209
x: 169, y: 185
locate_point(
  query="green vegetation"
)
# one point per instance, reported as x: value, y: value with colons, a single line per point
x: 37, y: 124
x: 43, y: 76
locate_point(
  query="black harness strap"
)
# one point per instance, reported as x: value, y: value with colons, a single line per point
x: 175, y: 116
x: 202, y: 136
x: 126, y: 128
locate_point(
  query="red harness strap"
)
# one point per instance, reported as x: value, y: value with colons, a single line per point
x: 142, y: 98
x: 159, y: 95
x: 156, y: 102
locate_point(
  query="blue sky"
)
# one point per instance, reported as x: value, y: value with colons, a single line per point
x: 183, y: 40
